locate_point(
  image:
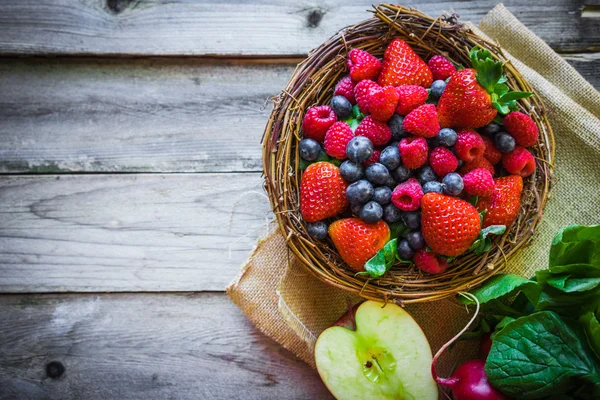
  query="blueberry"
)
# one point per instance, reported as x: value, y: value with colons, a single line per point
x: 382, y: 195
x: 341, y: 107
x: 437, y: 88
x: 504, y: 142
x: 377, y: 174
x: 447, y: 137
x: 391, y: 213
x: 359, y: 149
x: 309, y: 149
x: 371, y: 212
x: 412, y: 219
x: 426, y: 174
x: 401, y: 174
x: 491, y: 129
x: 395, y: 124
x: 453, y: 184
x: 391, y: 183
x: 355, y: 208
x: 390, y: 157
x: 359, y: 191
x: 317, y: 230
x: 404, y: 250
x: 433, y: 187
x: 351, y: 171
x: 415, y: 240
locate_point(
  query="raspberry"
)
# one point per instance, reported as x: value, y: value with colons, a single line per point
x: 442, y: 161
x: 383, y: 102
x: 407, y: 195
x: 522, y: 128
x: 491, y: 153
x: 479, y: 182
x: 519, y: 162
x: 469, y: 145
x: 345, y: 87
x: 362, y: 65
x: 413, y: 151
x: 374, y: 158
x: 336, y: 140
x: 410, y: 97
x: 316, y: 122
x: 480, y: 162
x: 422, y: 121
x: 362, y: 94
x: 441, y: 68
x: 430, y: 262
x: 377, y: 132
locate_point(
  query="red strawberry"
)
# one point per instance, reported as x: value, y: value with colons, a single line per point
x: 383, y: 102
x: 410, y: 97
x: 402, y: 66
x: 316, y: 122
x: 469, y: 145
x: 480, y: 162
x: 407, y: 195
x: 491, y: 153
x: 345, y: 87
x: 522, y: 128
x: 479, y: 182
x: 422, y: 121
x: 443, y: 161
x: 374, y: 158
x: 357, y: 241
x: 377, y: 132
x: 430, y: 262
x: 519, y: 162
x: 336, y: 140
x: 413, y: 151
x: 362, y: 93
x: 449, y: 225
x: 504, y: 204
x: 441, y: 68
x: 362, y: 65
x: 322, y: 192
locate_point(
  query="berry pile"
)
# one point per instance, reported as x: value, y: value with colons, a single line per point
x: 433, y: 153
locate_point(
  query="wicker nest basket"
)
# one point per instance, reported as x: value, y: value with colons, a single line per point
x: 313, y: 82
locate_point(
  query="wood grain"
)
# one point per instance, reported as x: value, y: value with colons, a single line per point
x: 147, y: 347
x: 588, y: 65
x: 89, y: 233
x: 248, y: 27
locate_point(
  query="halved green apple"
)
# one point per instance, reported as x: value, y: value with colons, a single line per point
x: 386, y: 357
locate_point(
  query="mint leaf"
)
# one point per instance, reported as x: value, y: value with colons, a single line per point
x: 381, y: 262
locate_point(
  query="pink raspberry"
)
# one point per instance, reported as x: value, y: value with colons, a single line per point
x: 442, y: 161
x: 407, y: 195
x: 410, y: 97
x: 479, y: 182
x: 430, y: 262
x: 469, y: 145
x: 345, y: 87
x: 522, y: 128
x: 377, y: 132
x: 374, y: 158
x: 383, y: 102
x: 491, y: 153
x: 362, y: 65
x: 480, y: 162
x: 519, y: 162
x: 336, y: 140
x: 362, y: 93
x: 422, y: 121
x: 316, y: 122
x: 413, y: 151
x: 441, y: 68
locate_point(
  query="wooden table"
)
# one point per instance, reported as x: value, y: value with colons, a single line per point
x: 131, y: 192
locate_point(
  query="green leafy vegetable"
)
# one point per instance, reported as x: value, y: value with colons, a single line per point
x: 576, y: 245
x: 381, y: 262
x: 498, y: 288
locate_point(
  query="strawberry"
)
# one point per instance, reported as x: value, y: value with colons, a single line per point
x: 322, y: 192
x: 383, y: 102
x: 357, y: 241
x: 480, y: 162
x: 504, y: 204
x: 449, y: 225
x: 519, y: 162
x: 362, y: 93
x: 336, y: 140
x: 522, y: 128
x: 377, y: 132
x: 316, y: 122
x: 402, y: 66
x: 410, y: 97
x: 441, y: 68
x: 491, y: 153
x: 345, y: 87
x: 430, y: 262
x: 422, y: 121
x: 362, y: 65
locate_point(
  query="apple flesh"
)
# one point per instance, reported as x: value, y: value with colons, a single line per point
x: 386, y: 357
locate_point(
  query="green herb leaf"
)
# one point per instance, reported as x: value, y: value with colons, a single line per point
x: 500, y: 287
x: 381, y: 262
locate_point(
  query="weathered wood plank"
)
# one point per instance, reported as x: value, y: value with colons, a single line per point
x: 127, y: 232
x: 143, y: 347
x: 248, y: 27
x: 588, y: 65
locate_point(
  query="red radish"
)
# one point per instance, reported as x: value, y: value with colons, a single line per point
x: 485, y: 345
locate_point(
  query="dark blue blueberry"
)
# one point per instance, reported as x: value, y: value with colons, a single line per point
x: 433, y: 187
x: 453, y: 184
x: 377, y: 174
x: 491, y: 129
x: 415, y: 240
x: 359, y: 191
x: 382, y: 195
x: 390, y: 157
x: 504, y: 142
x: 391, y: 183
x: 447, y: 137
x: 351, y: 171
x: 341, y: 107
x: 404, y: 250
x: 317, y: 230
x: 391, y: 213
x: 309, y: 149
x: 371, y: 212
x: 437, y: 88
x: 412, y: 219
x: 426, y: 174
x: 355, y: 208
x: 401, y: 174
x: 395, y: 124
x: 359, y: 149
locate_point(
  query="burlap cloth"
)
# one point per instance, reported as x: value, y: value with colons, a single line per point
x: 292, y: 307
